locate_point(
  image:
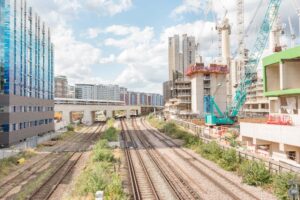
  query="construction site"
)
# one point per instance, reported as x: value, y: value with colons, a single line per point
x: 249, y: 88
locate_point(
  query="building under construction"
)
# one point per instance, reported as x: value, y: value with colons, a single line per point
x: 232, y: 86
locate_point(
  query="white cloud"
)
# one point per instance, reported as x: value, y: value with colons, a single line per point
x: 73, y: 58
x: 109, y: 7
x: 144, y: 54
x: 110, y: 59
x: 92, y: 33
x: 121, y: 30
x: 136, y: 37
x: 187, y: 6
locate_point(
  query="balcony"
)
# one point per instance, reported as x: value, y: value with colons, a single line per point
x: 185, y: 94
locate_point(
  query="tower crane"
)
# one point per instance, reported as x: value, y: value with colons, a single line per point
x: 297, y: 7
x: 230, y: 115
x: 293, y: 34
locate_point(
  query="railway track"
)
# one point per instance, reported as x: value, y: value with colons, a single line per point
x: 47, y: 189
x: 141, y: 183
x: 179, y: 181
x: 23, y: 175
x: 229, y: 187
x: 178, y: 184
x: 58, y: 155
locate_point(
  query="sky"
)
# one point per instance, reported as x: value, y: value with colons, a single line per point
x: 125, y: 42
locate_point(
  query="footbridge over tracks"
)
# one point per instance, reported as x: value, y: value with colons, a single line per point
x: 71, y: 110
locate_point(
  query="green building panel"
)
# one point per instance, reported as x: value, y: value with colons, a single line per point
x: 278, y: 58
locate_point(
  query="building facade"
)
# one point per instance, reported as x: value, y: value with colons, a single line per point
x: 85, y: 91
x: 174, y: 58
x: 256, y: 105
x: 61, y: 87
x: 71, y: 92
x: 26, y: 74
x: 97, y: 92
x: 207, y: 82
x: 279, y: 138
x: 182, y: 53
x: 188, y: 52
x: 167, y: 90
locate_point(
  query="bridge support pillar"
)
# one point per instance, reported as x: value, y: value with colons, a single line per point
x: 87, y: 118
x: 128, y: 114
x: 109, y: 113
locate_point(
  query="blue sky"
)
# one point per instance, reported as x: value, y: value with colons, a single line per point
x: 125, y: 41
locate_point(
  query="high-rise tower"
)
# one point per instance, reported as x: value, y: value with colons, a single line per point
x: 26, y: 74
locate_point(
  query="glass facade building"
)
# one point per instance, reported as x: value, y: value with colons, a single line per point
x: 26, y: 73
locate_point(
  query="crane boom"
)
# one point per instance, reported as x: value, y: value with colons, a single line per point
x: 229, y: 117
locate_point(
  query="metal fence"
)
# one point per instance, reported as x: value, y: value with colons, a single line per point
x: 273, y: 166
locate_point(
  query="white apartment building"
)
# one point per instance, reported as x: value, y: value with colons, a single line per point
x: 182, y: 53
x: 188, y: 52
x: 97, y: 92
x: 174, y: 56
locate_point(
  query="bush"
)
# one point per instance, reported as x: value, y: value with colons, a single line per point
x: 93, y: 179
x: 230, y: 160
x: 111, y: 122
x: 102, y: 152
x: 8, y: 164
x: 281, y: 185
x: 70, y: 127
x: 211, y: 151
x: 111, y: 134
x: 114, y: 190
x: 99, y: 175
x: 255, y: 173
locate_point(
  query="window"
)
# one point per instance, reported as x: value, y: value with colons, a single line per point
x: 4, y: 128
x: 2, y: 109
x: 14, y: 127
x: 291, y: 155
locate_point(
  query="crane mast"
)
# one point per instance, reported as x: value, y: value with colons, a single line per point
x: 240, y: 27
x: 250, y: 75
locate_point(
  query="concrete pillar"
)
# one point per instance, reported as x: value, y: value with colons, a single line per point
x: 109, y: 113
x: 66, y: 117
x: 128, y: 114
x: 226, y: 42
x: 298, y: 156
x: 281, y: 76
x: 87, y: 118
x: 281, y: 147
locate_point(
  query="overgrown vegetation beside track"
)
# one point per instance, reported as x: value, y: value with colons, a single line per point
x: 101, y: 172
x: 252, y: 172
x: 8, y: 164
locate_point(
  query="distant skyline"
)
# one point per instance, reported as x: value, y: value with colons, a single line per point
x: 125, y: 42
